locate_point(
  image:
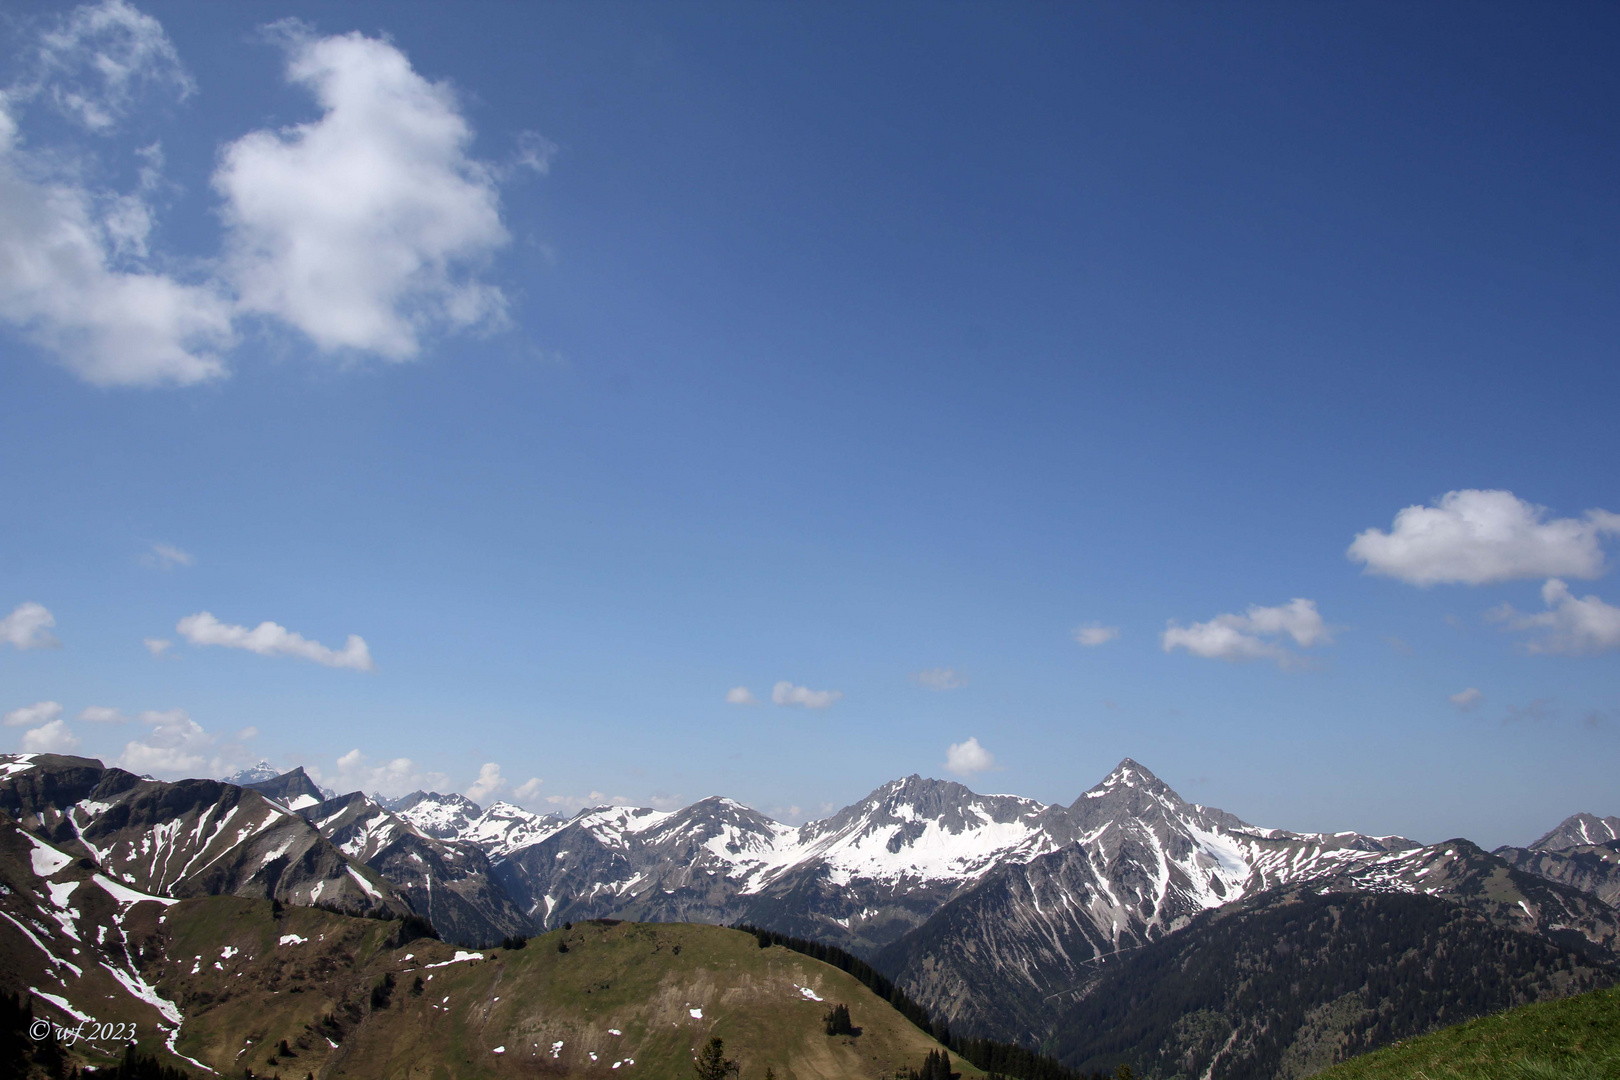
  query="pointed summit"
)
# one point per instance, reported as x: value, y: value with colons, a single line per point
x: 1579, y: 830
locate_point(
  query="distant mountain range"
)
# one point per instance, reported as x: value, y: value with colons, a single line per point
x: 1001, y: 914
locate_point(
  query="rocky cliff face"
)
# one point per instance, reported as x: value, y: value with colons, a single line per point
x: 192, y: 838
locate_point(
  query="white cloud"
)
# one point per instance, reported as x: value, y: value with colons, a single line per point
x: 489, y: 782
x: 273, y: 639
x: 72, y: 273
x: 1479, y: 537
x: 572, y: 804
x: 1466, y: 699
x: 1239, y: 638
x: 967, y: 758
x: 1093, y: 634
x: 156, y: 646
x: 28, y: 626
x: 365, y: 229
x: 92, y: 65
x: 362, y: 228
x: 741, y: 695
x: 399, y: 776
x: 1575, y: 626
x: 102, y: 714
x: 940, y: 678
x: 40, y: 712
x: 177, y: 746
x: 167, y: 557
x: 53, y: 738
x: 528, y: 791
x: 785, y: 693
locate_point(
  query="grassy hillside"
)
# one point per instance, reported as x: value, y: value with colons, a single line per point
x: 1577, y: 1038
x: 640, y: 996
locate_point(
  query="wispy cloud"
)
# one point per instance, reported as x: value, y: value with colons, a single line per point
x: 273, y: 639
x: 1251, y: 636
x: 1093, y: 634
x: 102, y: 714
x: 40, y: 712
x: 940, y: 678
x: 1466, y: 700
x: 785, y: 693
x: 156, y: 646
x: 1474, y: 537
x: 166, y: 557
x: 741, y: 695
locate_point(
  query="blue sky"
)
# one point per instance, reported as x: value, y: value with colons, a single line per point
x: 587, y: 363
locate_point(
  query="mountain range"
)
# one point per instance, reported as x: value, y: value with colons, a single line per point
x: 999, y: 914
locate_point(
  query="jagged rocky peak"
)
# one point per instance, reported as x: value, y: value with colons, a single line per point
x: 294, y: 790
x: 1132, y: 791
x: 1579, y: 830
x: 445, y: 817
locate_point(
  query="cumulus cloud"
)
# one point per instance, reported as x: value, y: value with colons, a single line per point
x: 940, y: 678
x: 1240, y: 638
x: 40, y: 712
x: 573, y: 804
x: 489, y: 783
x: 101, y: 714
x: 967, y: 758
x: 166, y: 557
x: 1094, y: 634
x: 362, y: 228
x: 176, y: 746
x: 741, y: 695
x: 29, y: 624
x: 52, y: 738
x: 1579, y: 627
x: 399, y: 776
x: 785, y: 693
x: 365, y: 229
x: 1475, y: 537
x: 273, y: 639
x: 156, y: 646
x: 1468, y: 699
x: 73, y: 272
x: 528, y: 791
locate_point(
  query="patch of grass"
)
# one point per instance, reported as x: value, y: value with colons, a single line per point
x: 1577, y: 1038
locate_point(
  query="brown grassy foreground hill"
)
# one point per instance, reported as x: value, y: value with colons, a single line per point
x: 624, y: 1000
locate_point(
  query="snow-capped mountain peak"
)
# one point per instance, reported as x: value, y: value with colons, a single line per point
x: 443, y: 817
x: 504, y: 828
x: 254, y: 774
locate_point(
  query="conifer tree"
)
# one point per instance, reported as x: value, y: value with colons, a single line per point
x: 712, y: 1063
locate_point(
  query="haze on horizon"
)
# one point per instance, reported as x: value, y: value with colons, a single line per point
x: 596, y: 402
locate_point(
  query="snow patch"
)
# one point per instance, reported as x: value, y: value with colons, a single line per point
x: 461, y: 956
